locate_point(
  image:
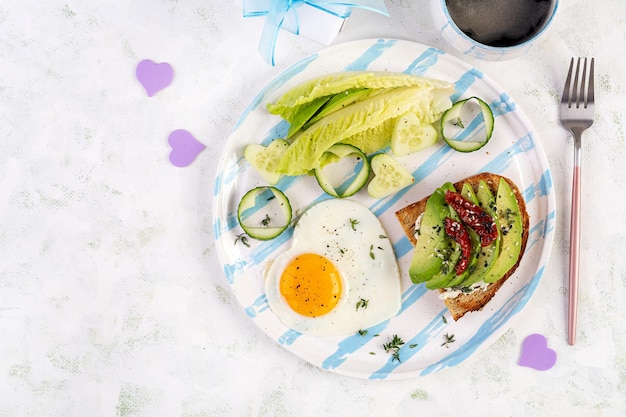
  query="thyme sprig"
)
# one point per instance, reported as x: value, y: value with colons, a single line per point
x: 243, y: 238
x: 393, y: 347
x: 449, y: 339
x: 362, y: 303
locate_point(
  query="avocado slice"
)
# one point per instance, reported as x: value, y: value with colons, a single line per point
x: 432, y: 242
x: 305, y: 114
x: 338, y: 101
x: 446, y: 251
x: 509, y: 221
x: 486, y: 256
x: 451, y: 254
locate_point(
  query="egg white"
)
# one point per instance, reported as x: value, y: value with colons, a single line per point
x: 352, y: 238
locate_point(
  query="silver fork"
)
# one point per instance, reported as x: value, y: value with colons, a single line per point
x: 577, y: 114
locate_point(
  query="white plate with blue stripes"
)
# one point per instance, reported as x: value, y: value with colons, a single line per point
x: 423, y: 321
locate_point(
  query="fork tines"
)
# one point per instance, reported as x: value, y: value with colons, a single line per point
x: 575, y: 94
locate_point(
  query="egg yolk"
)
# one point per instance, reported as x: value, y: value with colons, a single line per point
x: 311, y: 285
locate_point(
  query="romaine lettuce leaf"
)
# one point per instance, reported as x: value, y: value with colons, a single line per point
x: 336, y: 83
x: 307, y: 147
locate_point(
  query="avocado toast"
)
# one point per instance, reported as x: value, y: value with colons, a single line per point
x: 467, y: 276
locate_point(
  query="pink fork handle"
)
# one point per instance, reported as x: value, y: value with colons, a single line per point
x: 572, y: 313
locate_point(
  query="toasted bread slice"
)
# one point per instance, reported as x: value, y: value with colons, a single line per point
x: 475, y: 300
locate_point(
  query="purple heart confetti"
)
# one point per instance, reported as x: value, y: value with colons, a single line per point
x: 185, y: 148
x: 536, y: 354
x: 154, y: 77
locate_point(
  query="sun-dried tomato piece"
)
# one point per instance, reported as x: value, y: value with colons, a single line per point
x: 459, y: 234
x: 474, y: 216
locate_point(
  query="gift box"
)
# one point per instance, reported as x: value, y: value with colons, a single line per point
x: 316, y: 24
x: 317, y: 20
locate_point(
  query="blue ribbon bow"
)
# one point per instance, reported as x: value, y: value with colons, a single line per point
x: 277, y: 12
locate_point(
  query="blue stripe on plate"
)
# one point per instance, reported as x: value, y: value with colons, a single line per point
x: 258, y: 306
x: 503, y: 105
x: 289, y: 337
x: 402, y: 247
x: 502, y: 161
x: 540, y: 189
x: 410, y: 296
x: 227, y: 175
x: 233, y: 268
x: 543, y: 228
x: 351, y: 344
x: 464, y: 83
x: 423, y: 62
x: 370, y: 55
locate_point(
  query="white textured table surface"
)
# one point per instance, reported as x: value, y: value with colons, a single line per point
x: 112, y: 301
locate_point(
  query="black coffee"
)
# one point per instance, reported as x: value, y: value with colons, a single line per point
x: 499, y: 22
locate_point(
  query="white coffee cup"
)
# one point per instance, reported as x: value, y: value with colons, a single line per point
x: 493, y: 30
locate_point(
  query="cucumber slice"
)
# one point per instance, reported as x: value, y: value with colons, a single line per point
x: 411, y: 135
x: 264, y: 212
x: 265, y: 159
x: 389, y: 176
x: 468, y: 125
x: 343, y: 170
